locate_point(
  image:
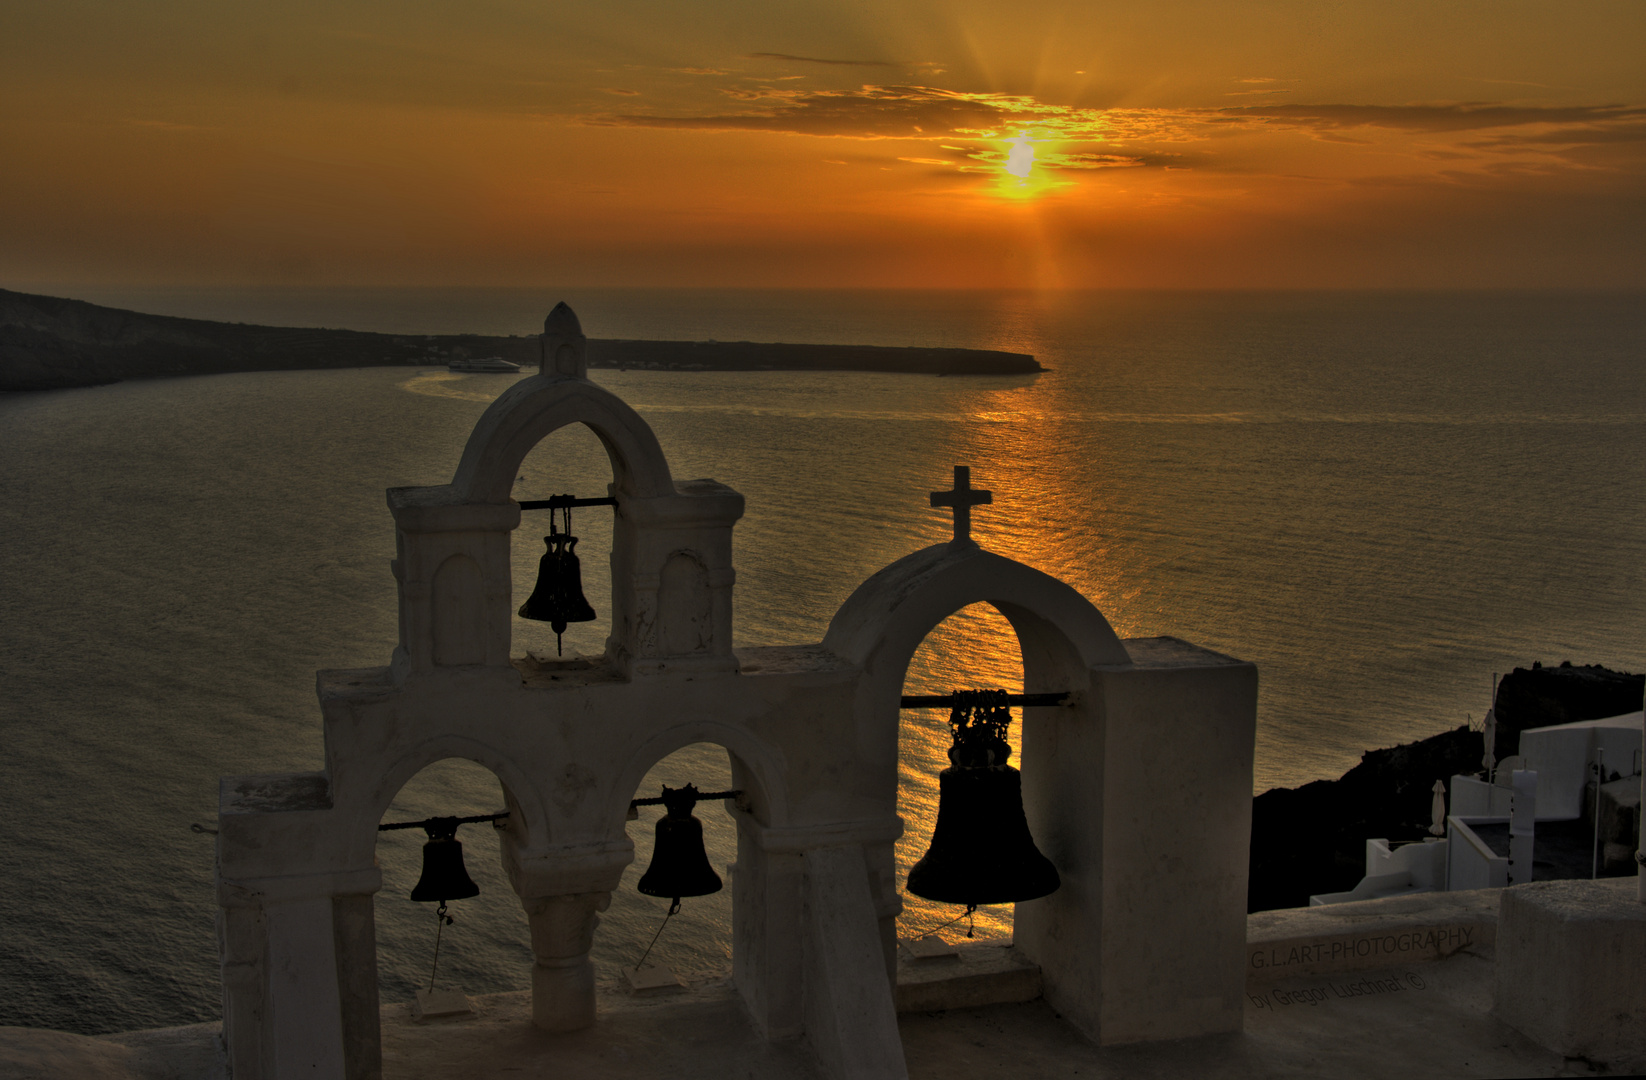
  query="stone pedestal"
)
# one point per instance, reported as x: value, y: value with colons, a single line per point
x: 1569, y: 968
x: 563, y: 976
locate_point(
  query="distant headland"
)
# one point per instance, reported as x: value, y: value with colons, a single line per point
x: 50, y: 343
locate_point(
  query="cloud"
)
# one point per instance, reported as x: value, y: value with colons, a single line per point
x: 819, y: 60
x: 1073, y: 138
x: 923, y: 112
x: 1468, y: 116
x: 1570, y: 136
x: 881, y: 112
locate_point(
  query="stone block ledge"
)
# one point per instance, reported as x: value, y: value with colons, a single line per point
x: 1569, y: 974
x: 981, y: 973
x: 1369, y: 934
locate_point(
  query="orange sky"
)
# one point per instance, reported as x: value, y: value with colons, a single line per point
x: 809, y: 143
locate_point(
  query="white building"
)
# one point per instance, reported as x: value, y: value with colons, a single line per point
x: 1552, y: 772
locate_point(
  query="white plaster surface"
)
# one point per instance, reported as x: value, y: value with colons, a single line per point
x: 306, y: 1036
x: 851, y: 1019
x: 1470, y: 861
x: 976, y: 973
x: 1436, y: 1026
x: 1363, y: 935
x: 1570, y: 972
x: 1143, y: 941
x: 1562, y: 755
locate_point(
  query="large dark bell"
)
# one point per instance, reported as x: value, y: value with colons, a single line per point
x: 444, y: 876
x: 981, y: 850
x: 680, y: 866
x: 558, y: 598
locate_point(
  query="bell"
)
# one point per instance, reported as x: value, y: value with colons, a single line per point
x: 558, y: 598
x: 680, y: 866
x: 444, y: 876
x: 981, y: 850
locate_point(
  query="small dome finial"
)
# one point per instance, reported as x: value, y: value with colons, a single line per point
x: 562, y: 321
x: 564, y: 345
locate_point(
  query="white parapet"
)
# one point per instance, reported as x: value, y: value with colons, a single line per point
x: 1395, y: 871
x: 1563, y: 754
x: 1568, y: 969
x: 1522, y: 825
x: 1470, y: 862
x: 1478, y: 798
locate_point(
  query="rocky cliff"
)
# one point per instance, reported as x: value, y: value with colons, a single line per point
x: 1312, y: 839
x: 49, y: 343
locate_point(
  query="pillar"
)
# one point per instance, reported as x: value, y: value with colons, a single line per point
x: 563, y: 975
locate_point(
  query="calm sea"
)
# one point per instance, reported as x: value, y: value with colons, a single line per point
x: 1380, y: 499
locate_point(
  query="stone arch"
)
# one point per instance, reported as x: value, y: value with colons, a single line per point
x: 1062, y: 637
x: 751, y: 760
x: 531, y: 829
x: 536, y: 407
x: 880, y: 625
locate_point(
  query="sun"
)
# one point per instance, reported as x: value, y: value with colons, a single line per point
x: 1019, y: 178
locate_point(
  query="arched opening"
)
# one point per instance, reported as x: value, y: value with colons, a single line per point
x: 486, y: 949
x: 975, y: 648
x: 570, y: 461
x: 696, y: 944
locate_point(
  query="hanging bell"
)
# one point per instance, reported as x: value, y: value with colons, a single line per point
x: 558, y: 598
x: 680, y: 866
x: 444, y: 876
x: 981, y: 850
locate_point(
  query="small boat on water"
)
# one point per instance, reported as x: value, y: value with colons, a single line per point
x: 494, y: 364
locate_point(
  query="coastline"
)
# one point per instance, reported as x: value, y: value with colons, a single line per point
x: 51, y: 343
x: 1312, y: 838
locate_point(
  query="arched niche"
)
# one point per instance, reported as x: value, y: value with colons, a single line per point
x: 459, y: 614
x: 765, y: 933
x: 1093, y: 774
x: 366, y: 802
x: 696, y: 942
x: 975, y: 647
x: 685, y: 604
x: 571, y: 460
x: 1062, y: 637
x: 453, y: 785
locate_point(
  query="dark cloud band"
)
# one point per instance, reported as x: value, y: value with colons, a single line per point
x: 820, y: 60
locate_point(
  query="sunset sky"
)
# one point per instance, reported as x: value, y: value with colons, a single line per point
x: 808, y: 143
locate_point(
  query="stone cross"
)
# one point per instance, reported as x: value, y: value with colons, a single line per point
x: 962, y: 499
